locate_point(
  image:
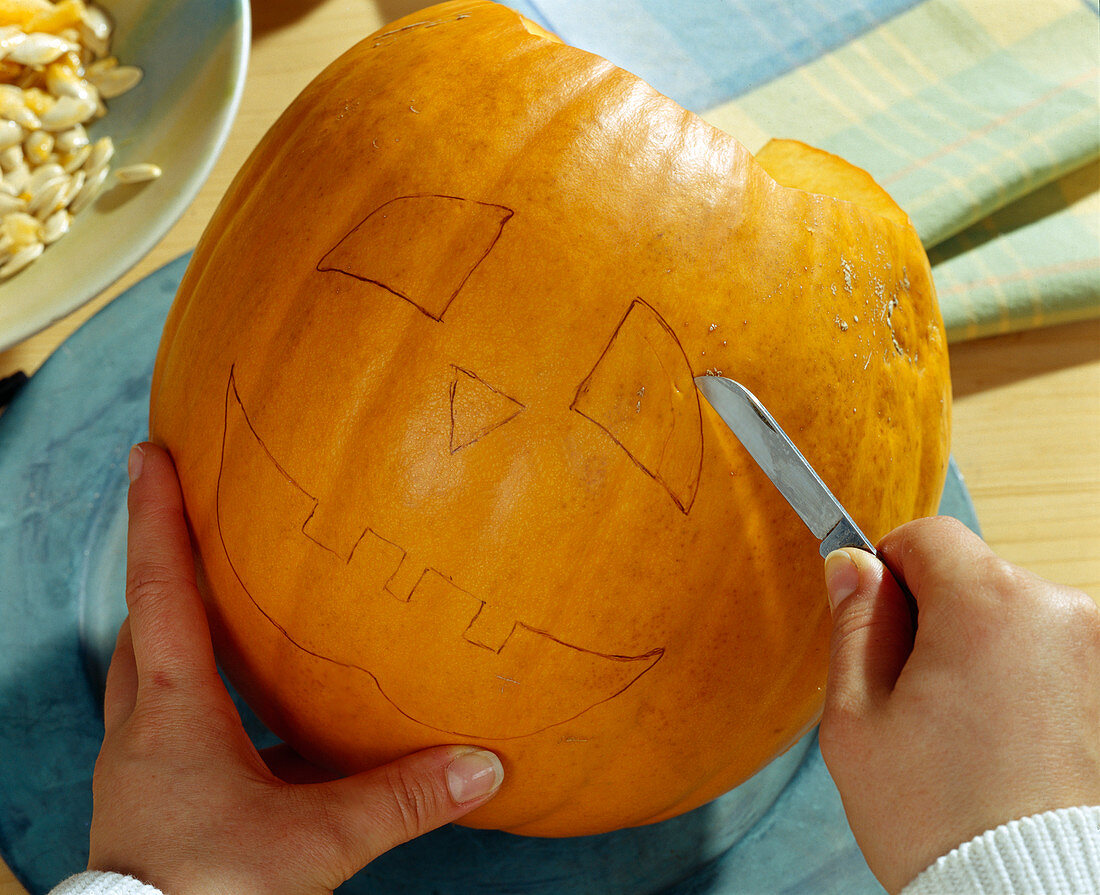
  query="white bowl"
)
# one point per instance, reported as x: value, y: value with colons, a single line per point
x: 193, y: 54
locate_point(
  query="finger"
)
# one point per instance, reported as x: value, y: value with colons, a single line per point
x: 938, y: 549
x: 368, y: 814
x: 120, y: 692
x: 171, y: 637
x: 872, y: 634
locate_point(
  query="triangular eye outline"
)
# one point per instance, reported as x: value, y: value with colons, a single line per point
x: 681, y: 482
x: 461, y: 375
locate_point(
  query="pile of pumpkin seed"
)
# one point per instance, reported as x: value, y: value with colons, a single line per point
x: 56, y: 75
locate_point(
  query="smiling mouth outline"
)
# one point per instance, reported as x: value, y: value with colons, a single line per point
x: 486, y: 697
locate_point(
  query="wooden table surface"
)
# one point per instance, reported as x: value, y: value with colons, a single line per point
x: 1027, y: 406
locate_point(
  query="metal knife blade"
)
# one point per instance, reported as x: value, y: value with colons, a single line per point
x: 783, y: 463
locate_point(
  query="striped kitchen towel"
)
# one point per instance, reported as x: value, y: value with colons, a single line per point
x: 981, y: 117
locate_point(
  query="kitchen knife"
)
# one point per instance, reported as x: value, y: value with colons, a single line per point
x: 789, y: 471
x: 783, y: 463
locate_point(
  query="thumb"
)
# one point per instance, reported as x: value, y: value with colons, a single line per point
x: 369, y: 813
x: 872, y: 630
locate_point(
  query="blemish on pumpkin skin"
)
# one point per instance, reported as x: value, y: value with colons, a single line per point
x: 389, y: 36
x: 849, y: 275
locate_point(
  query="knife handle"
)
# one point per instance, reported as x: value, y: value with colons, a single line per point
x: 903, y: 587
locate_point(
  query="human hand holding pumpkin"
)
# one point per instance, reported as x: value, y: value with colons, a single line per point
x: 989, y: 714
x: 182, y: 800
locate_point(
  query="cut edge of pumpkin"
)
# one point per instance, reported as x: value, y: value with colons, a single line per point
x: 792, y: 163
x: 536, y: 29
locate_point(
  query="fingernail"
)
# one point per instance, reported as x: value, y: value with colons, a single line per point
x: 136, y: 461
x: 473, y: 775
x: 841, y: 577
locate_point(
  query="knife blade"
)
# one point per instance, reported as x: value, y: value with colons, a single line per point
x: 783, y: 463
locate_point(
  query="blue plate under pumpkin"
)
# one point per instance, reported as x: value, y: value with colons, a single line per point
x: 63, y: 448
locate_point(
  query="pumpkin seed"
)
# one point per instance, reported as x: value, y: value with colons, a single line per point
x: 76, y: 183
x: 75, y: 160
x: 115, y: 81
x: 56, y: 226
x: 12, y: 157
x: 38, y: 146
x: 49, y: 198
x: 95, y: 30
x: 103, y: 151
x: 16, y: 178
x: 22, y: 229
x: 21, y: 259
x: 10, y: 133
x: 68, y: 112
x: 13, y: 106
x: 11, y: 36
x: 62, y: 80
x: 43, y: 175
x: 73, y: 139
x: 88, y: 191
x: 39, y: 49
x: 138, y: 173
x: 9, y: 203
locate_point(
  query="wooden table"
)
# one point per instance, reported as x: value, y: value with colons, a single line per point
x: 1027, y: 406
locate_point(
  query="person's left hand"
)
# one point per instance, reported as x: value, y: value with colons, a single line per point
x: 182, y: 799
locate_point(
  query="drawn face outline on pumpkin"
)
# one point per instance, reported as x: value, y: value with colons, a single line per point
x: 425, y: 593
x: 643, y: 343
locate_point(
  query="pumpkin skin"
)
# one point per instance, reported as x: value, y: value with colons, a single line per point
x: 428, y: 386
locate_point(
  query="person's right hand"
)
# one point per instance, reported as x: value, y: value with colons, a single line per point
x: 990, y: 713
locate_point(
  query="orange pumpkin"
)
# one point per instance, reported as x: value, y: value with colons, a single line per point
x: 428, y: 385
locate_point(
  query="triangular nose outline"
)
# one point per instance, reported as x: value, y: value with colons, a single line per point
x: 477, y: 408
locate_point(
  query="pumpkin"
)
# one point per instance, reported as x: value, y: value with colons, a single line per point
x: 428, y: 386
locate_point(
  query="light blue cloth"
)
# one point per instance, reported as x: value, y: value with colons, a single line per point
x: 705, y: 52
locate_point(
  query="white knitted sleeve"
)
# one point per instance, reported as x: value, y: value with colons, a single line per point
x: 1055, y: 853
x: 96, y: 882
